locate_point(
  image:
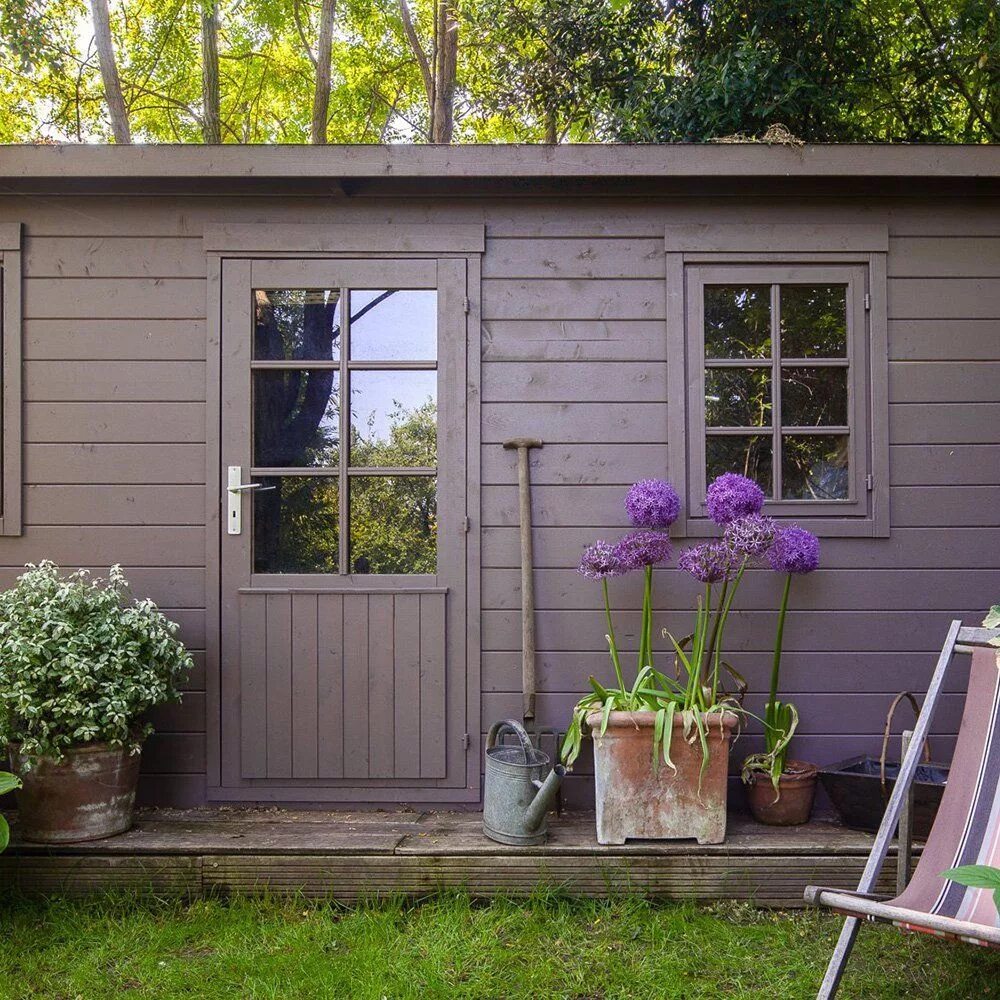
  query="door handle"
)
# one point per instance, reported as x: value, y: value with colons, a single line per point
x: 234, y: 491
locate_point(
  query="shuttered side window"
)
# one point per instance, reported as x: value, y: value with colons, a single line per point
x: 10, y: 386
x: 783, y: 362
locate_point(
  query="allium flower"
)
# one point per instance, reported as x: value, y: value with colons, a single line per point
x: 709, y: 562
x: 751, y: 535
x: 795, y: 550
x: 643, y: 548
x: 652, y: 503
x: 732, y: 496
x: 600, y: 561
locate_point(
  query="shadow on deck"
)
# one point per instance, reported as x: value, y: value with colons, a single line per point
x: 348, y: 856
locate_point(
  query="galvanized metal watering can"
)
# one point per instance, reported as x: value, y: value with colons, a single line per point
x: 517, y: 798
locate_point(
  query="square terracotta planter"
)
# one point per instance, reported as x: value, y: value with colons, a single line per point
x: 634, y: 802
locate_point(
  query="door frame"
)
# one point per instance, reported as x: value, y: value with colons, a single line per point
x: 464, y: 243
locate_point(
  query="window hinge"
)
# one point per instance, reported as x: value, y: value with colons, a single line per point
x: 870, y: 482
x: 868, y: 302
x: 466, y: 524
x: 466, y: 741
x: 466, y: 305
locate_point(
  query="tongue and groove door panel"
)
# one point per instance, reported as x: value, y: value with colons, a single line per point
x: 343, y: 685
x: 343, y: 543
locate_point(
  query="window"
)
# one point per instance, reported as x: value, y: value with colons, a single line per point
x: 344, y: 402
x: 10, y: 366
x: 777, y: 371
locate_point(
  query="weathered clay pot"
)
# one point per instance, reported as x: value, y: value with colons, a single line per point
x: 793, y: 806
x: 87, y: 795
x: 636, y: 803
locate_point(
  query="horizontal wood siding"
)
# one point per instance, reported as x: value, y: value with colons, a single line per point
x: 573, y: 351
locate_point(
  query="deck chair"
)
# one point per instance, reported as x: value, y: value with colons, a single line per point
x: 966, y: 830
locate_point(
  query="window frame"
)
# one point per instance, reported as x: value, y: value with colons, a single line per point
x: 748, y: 255
x: 11, y: 338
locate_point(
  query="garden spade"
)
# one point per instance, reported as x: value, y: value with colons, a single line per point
x: 523, y: 446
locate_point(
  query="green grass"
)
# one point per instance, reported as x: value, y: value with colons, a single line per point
x: 454, y: 947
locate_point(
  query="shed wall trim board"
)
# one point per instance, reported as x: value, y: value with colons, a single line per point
x: 235, y: 238
x: 777, y: 239
x: 11, y: 401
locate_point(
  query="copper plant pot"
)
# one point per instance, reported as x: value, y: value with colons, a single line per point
x: 88, y: 795
x: 634, y: 801
x: 793, y: 806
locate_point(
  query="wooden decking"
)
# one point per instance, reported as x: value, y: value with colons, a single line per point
x: 348, y: 856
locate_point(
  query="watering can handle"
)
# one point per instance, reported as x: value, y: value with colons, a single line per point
x: 500, y: 729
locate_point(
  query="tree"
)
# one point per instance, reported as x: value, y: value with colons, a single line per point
x: 438, y: 70
x: 109, y: 72
x: 321, y: 94
x: 211, y: 123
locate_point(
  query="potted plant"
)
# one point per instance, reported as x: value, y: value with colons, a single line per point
x: 7, y: 784
x: 661, y: 743
x: 80, y: 665
x: 787, y: 798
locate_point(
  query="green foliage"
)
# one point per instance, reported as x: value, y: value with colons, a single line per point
x: 8, y: 782
x: 80, y: 663
x: 547, y: 946
x: 992, y: 620
x: 978, y: 877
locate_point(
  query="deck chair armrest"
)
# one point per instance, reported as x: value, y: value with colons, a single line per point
x: 813, y: 893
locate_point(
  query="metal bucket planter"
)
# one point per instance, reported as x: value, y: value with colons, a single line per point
x: 634, y: 802
x: 87, y: 795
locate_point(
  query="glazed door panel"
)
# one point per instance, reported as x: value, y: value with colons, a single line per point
x: 344, y: 530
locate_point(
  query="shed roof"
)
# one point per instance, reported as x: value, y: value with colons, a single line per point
x: 684, y: 168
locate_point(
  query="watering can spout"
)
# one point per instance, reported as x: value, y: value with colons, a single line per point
x: 535, y: 814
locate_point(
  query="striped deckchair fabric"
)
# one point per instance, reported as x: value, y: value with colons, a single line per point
x: 965, y: 832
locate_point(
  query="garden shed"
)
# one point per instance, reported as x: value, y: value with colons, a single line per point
x: 274, y: 383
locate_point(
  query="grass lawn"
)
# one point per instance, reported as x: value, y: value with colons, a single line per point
x: 453, y: 947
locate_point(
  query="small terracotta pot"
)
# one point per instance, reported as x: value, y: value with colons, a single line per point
x: 634, y: 801
x: 793, y: 805
x: 88, y: 795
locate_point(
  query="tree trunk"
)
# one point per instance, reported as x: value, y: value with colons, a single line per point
x: 109, y: 72
x: 211, y: 123
x: 445, y: 71
x: 321, y: 95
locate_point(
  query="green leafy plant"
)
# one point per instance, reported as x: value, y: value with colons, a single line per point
x: 81, y: 662
x: 992, y: 620
x: 8, y: 782
x: 977, y: 877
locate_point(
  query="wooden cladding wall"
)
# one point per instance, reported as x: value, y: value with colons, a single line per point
x: 307, y: 655
x: 573, y: 350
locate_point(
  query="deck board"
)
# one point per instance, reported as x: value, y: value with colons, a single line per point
x: 349, y: 856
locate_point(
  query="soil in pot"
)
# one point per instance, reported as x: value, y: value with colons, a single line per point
x: 636, y: 801
x: 793, y: 806
x: 88, y: 795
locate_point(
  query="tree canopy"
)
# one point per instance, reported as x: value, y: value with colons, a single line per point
x: 362, y: 71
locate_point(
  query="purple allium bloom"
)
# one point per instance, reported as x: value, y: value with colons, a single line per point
x: 709, y: 562
x: 751, y: 535
x: 600, y: 561
x: 732, y: 496
x: 643, y: 548
x: 652, y: 503
x: 795, y: 550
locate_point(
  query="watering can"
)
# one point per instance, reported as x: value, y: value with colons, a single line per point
x: 517, y: 798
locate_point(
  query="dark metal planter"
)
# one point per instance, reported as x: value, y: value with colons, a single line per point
x: 855, y: 787
x: 88, y: 795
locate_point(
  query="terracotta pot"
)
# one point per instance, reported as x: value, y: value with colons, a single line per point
x: 636, y: 802
x: 87, y: 795
x: 797, y: 787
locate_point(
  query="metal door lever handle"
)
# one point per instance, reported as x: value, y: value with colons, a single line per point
x: 250, y: 486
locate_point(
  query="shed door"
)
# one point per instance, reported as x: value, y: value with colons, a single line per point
x: 343, y: 530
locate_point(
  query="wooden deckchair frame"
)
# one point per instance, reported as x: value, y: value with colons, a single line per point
x: 960, y: 639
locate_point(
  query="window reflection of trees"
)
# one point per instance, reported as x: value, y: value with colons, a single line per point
x: 296, y: 424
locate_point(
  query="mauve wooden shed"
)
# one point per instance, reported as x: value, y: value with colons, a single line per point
x: 182, y: 320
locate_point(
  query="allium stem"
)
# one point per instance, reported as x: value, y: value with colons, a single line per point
x: 779, y: 637
x: 722, y: 624
x: 612, y: 641
x: 710, y: 652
